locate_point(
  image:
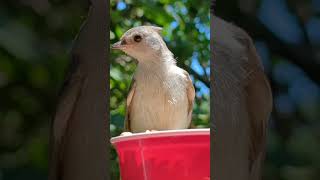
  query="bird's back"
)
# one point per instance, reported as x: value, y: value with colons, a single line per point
x: 241, y: 100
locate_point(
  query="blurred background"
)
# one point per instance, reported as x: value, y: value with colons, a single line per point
x: 287, y: 37
x: 35, y: 40
x: 186, y: 30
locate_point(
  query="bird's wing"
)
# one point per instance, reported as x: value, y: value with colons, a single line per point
x: 68, y: 97
x: 259, y: 106
x: 190, y: 96
x: 127, y: 125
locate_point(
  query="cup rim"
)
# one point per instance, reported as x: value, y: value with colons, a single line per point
x: 143, y: 135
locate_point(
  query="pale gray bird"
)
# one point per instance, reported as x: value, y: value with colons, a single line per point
x: 161, y: 95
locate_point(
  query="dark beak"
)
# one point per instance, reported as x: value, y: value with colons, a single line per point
x: 117, y: 45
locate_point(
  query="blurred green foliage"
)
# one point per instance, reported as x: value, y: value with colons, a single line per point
x: 186, y: 30
x: 35, y: 39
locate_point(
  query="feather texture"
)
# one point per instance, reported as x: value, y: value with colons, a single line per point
x: 161, y: 95
x: 242, y: 103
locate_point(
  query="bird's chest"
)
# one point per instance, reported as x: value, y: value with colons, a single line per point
x: 158, y: 91
x: 158, y: 104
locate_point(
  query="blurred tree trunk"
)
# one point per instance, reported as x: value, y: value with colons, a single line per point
x: 79, y: 139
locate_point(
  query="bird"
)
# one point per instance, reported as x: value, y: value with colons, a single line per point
x: 241, y: 101
x: 161, y: 95
x: 78, y: 138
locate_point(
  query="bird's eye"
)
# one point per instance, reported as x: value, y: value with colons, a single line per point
x: 137, y: 38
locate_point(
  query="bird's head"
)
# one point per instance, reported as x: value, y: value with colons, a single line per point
x: 142, y: 43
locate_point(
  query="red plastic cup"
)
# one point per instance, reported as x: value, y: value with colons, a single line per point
x: 164, y: 155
